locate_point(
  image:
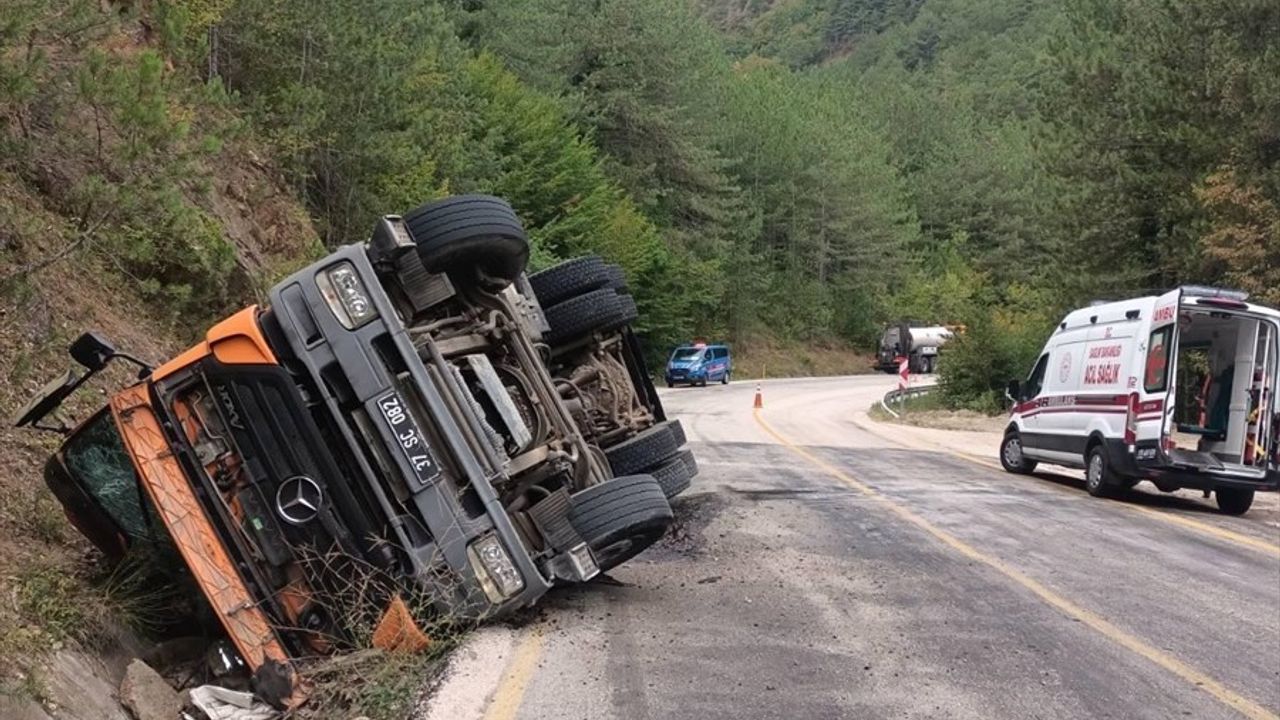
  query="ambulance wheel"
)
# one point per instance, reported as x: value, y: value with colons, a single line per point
x: 1011, y: 456
x: 1099, y: 481
x: 1232, y: 501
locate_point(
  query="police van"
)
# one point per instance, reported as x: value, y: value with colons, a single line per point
x: 1178, y: 389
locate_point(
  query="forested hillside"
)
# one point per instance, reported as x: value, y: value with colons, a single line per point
x: 799, y: 171
x: 1052, y: 152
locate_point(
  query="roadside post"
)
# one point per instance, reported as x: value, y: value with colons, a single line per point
x: 904, y: 380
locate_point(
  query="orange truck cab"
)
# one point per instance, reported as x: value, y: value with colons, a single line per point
x: 123, y: 478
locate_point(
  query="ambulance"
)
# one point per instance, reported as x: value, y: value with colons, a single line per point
x: 1176, y: 389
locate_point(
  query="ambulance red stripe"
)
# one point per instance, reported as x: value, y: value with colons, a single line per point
x: 1087, y: 403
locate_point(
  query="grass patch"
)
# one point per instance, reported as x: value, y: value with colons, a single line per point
x: 371, y: 683
x: 57, y: 601
x: 932, y: 411
x: 46, y: 521
x: 364, y: 681
x: 25, y: 684
x: 929, y: 402
x: 88, y: 606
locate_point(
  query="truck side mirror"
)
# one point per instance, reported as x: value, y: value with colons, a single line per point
x: 92, y: 351
x: 48, y: 400
x: 1013, y: 391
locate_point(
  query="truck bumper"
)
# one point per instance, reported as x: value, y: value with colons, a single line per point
x: 1149, y: 462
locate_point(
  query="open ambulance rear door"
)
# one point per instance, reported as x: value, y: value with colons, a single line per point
x: 1152, y: 401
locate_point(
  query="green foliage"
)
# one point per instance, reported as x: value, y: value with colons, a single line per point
x: 89, y: 607
x: 943, y: 286
x: 1001, y: 341
x: 363, y: 101
x: 1243, y: 243
x: 775, y: 182
x: 1157, y: 96
x: 804, y: 169
x: 1090, y: 148
x: 131, y: 139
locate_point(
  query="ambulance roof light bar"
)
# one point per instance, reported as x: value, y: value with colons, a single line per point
x: 1205, y: 291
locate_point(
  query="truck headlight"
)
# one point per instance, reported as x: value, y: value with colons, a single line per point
x: 494, y: 569
x: 346, y: 295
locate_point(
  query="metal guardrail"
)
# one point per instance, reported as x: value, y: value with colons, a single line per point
x: 897, y: 396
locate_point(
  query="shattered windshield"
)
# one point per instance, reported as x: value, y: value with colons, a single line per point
x: 95, y: 456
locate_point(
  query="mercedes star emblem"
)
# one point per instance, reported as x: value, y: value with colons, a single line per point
x: 298, y: 499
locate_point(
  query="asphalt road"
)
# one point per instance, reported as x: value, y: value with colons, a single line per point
x: 820, y: 570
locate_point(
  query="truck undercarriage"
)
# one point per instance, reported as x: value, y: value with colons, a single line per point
x: 391, y: 415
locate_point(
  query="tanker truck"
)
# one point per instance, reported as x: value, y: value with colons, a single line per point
x: 919, y: 344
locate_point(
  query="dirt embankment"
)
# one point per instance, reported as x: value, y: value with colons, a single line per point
x: 766, y: 357
x: 59, y: 277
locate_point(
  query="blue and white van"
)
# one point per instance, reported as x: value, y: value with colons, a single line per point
x: 699, y: 363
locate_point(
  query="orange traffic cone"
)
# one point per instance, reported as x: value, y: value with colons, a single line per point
x: 759, y: 402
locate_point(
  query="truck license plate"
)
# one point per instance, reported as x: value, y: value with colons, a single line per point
x: 413, y: 444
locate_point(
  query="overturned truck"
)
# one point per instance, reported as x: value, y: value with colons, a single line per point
x: 414, y: 410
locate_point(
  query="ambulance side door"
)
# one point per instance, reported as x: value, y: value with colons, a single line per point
x: 1057, y: 418
x: 1029, y: 405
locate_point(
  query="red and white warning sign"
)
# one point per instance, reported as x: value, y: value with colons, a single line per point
x: 904, y: 373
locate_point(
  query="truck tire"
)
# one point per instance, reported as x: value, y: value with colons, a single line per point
x: 645, y: 450
x: 677, y: 431
x: 583, y: 315
x: 627, y: 315
x: 690, y: 461
x: 620, y: 517
x: 1232, y: 501
x: 569, y: 278
x: 617, y: 278
x: 479, y: 234
x: 1011, y: 457
x: 675, y: 475
x: 1099, y: 480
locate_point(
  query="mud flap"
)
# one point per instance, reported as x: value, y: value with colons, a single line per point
x: 573, y: 560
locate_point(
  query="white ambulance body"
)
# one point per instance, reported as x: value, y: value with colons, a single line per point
x: 1104, y: 396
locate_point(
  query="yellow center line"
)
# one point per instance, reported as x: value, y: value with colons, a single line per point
x: 1246, y: 541
x: 1241, y: 704
x: 510, y: 692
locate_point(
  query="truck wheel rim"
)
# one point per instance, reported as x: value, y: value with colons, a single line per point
x: 1013, y: 452
x: 1095, y: 471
